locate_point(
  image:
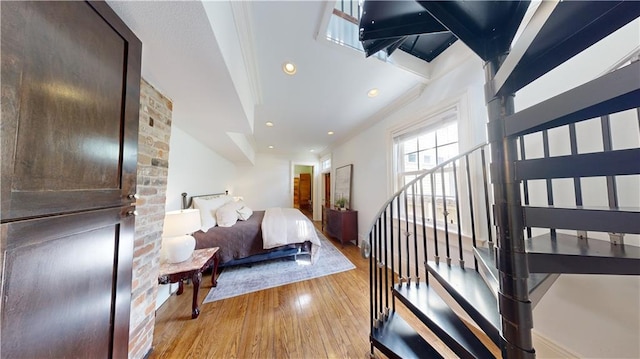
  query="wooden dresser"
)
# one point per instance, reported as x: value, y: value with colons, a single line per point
x: 342, y: 225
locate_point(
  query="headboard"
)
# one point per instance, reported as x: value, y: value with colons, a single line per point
x: 187, y: 203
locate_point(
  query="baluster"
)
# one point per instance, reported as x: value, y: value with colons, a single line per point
x: 372, y: 281
x: 380, y: 267
x: 612, y: 188
x: 525, y: 183
x: 424, y: 231
x: 446, y: 217
x: 433, y: 215
x: 473, y: 224
x: 486, y: 199
x: 455, y: 187
x: 391, y: 240
x: 545, y: 147
x: 577, y: 184
x: 415, y: 234
x: 407, y: 234
x: 400, y: 277
x: 386, y: 270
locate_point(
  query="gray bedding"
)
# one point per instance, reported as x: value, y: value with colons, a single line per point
x: 242, y: 240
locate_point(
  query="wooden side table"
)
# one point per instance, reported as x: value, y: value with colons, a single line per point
x: 192, y: 269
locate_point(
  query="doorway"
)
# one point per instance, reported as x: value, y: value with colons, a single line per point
x: 327, y: 190
x: 303, y: 189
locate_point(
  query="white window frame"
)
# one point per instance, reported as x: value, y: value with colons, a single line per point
x: 430, y: 125
x: 450, y: 111
x: 325, y: 164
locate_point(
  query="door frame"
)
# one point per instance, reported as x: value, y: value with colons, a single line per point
x: 315, y: 208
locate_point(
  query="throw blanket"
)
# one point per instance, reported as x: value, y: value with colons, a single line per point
x: 282, y: 226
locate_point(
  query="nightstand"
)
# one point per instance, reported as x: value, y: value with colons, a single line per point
x: 192, y: 268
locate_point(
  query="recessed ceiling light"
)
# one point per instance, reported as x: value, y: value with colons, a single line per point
x: 269, y: 124
x: 312, y: 150
x: 330, y: 133
x: 373, y: 92
x: 289, y: 68
x: 270, y: 147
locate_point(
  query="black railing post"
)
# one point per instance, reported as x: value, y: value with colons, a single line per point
x: 372, y: 288
x: 371, y: 294
x: 525, y: 183
x: 433, y: 215
x: 455, y: 191
x: 471, y: 211
x: 380, y: 268
x: 424, y: 233
x: 446, y: 218
x: 406, y: 235
x: 373, y: 267
x: 400, y: 277
x: 515, y: 307
x: 548, y: 181
x: 386, y: 263
x: 393, y: 267
x: 487, y: 204
x: 415, y: 235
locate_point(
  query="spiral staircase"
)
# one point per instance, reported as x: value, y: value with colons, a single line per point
x: 485, y: 245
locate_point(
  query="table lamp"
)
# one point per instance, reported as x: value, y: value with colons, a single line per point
x: 177, y: 242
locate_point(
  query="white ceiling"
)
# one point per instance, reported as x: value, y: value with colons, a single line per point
x: 220, y: 63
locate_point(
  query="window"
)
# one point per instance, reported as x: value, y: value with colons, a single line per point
x: 422, y: 147
x: 326, y: 164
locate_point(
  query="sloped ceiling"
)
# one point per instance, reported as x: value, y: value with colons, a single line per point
x: 220, y: 62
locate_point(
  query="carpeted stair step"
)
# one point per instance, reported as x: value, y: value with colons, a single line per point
x: 397, y: 339
x: 538, y: 283
x: 565, y: 253
x: 468, y: 289
x: 426, y: 304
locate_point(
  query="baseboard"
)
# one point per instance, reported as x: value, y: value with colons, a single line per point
x: 549, y: 349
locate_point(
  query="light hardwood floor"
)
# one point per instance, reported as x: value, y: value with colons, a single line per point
x: 326, y: 317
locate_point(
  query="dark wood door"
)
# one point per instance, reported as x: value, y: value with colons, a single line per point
x: 305, y: 190
x: 327, y: 190
x: 70, y: 100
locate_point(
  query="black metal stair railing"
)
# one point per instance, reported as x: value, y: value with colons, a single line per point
x: 433, y: 217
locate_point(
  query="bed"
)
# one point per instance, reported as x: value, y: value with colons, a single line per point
x: 242, y: 241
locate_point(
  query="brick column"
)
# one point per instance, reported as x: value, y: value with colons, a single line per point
x: 153, y: 163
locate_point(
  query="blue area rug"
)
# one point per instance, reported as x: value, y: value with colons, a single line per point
x: 239, y: 280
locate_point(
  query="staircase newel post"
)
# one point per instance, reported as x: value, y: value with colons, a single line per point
x: 515, y: 307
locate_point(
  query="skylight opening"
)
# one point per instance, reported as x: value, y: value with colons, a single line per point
x: 343, y: 28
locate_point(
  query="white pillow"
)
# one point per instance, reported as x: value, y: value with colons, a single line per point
x: 208, y: 208
x: 244, y: 212
x: 226, y: 216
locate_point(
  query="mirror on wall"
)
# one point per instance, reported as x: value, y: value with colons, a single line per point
x: 342, y: 193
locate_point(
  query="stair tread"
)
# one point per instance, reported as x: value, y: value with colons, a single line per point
x: 468, y: 288
x: 538, y: 283
x: 566, y: 253
x: 397, y: 339
x: 427, y: 305
x: 486, y: 256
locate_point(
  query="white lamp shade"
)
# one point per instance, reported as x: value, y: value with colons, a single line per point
x: 179, y: 223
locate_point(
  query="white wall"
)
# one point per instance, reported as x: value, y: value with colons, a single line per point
x: 269, y: 182
x: 195, y: 169
x: 592, y: 316
x: 369, y: 151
